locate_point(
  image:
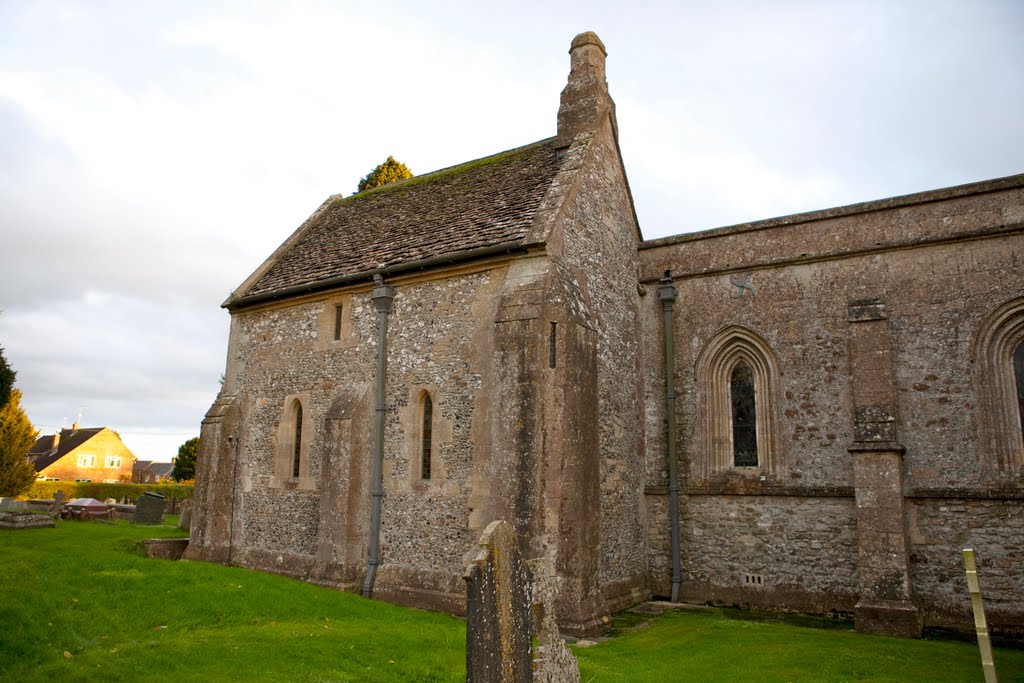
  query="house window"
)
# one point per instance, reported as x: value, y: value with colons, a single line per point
x: 87, y: 461
x: 999, y: 381
x: 84, y: 481
x: 744, y: 416
x: 428, y: 436
x: 113, y: 461
x: 337, y: 322
x: 297, y: 443
x: 737, y: 376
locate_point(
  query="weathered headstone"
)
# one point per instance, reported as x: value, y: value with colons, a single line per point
x: 149, y: 509
x: 498, y: 610
x: 185, y: 515
x: 553, y: 662
x: 58, y: 504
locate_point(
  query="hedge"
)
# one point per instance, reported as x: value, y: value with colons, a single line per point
x: 45, y: 490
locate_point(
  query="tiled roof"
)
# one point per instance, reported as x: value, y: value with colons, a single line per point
x: 483, y: 203
x: 43, y: 454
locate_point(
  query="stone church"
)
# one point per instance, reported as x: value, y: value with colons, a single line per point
x: 812, y: 413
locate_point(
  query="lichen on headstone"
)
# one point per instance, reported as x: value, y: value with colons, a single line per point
x: 498, y: 638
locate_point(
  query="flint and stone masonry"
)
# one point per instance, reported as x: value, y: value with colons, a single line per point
x: 846, y: 394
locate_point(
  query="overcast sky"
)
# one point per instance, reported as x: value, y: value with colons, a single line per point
x: 152, y: 154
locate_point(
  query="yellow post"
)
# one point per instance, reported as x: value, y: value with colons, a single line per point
x: 980, y: 625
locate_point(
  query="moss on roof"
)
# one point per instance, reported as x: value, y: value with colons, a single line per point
x: 485, y: 202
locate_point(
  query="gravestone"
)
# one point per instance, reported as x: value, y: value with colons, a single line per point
x: 498, y: 610
x: 149, y: 509
x: 185, y: 515
x: 58, y: 504
x: 553, y: 662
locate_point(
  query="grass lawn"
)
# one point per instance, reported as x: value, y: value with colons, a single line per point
x: 712, y: 645
x: 81, y: 602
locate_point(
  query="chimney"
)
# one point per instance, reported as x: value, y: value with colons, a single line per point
x: 74, y: 427
x: 585, y: 99
x: 56, y: 440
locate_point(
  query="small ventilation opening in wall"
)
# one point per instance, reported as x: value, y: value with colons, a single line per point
x: 552, y: 345
x: 753, y: 580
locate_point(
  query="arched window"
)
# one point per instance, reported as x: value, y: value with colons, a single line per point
x: 737, y: 377
x: 428, y: 436
x: 999, y: 350
x: 1018, y: 375
x: 744, y: 416
x: 294, y: 436
x: 297, y: 443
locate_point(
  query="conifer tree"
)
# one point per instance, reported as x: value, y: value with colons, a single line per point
x: 6, y: 379
x: 388, y: 172
x: 16, y: 438
x: 185, y: 463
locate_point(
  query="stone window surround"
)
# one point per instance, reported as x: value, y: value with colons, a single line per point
x: 284, y: 458
x: 411, y: 417
x: 328, y: 322
x: 1000, y: 428
x: 727, y: 349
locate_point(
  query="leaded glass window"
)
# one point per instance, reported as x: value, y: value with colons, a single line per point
x: 1018, y: 373
x: 428, y: 429
x: 744, y: 416
x: 298, y: 440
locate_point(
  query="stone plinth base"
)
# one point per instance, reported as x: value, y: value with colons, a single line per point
x: 166, y: 548
x: 24, y: 520
x: 887, y: 617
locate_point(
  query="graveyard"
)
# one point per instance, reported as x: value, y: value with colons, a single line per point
x: 81, y: 600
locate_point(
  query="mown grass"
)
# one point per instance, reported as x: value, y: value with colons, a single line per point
x: 85, y: 589
x: 713, y: 645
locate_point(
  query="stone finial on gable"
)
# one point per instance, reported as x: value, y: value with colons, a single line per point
x: 585, y: 98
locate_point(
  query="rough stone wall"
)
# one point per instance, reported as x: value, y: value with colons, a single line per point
x: 939, y: 529
x: 803, y: 551
x: 600, y: 239
x: 941, y: 264
x: 437, y: 343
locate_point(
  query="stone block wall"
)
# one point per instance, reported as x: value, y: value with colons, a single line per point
x: 600, y: 239
x: 938, y: 265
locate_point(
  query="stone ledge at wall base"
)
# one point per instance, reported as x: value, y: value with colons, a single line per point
x: 889, y: 618
x: 25, y: 520
x: 165, y: 548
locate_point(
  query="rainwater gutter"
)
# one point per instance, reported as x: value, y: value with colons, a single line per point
x: 382, y: 297
x: 667, y: 296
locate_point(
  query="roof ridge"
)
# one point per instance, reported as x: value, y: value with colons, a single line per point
x: 447, y: 170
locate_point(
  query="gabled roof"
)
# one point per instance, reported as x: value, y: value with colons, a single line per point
x: 157, y: 469
x: 490, y: 202
x: 43, y: 454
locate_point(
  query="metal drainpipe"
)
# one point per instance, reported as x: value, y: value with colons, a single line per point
x: 382, y: 297
x: 667, y: 296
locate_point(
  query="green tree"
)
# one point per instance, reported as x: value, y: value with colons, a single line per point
x: 388, y: 172
x: 185, y: 465
x: 6, y: 379
x: 16, y: 438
